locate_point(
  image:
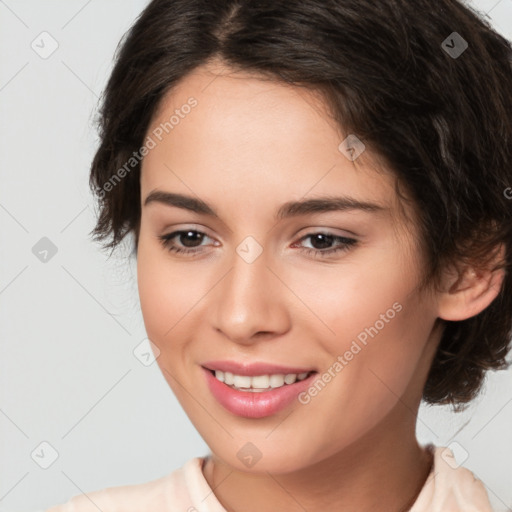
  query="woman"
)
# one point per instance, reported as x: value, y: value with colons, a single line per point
x: 316, y: 193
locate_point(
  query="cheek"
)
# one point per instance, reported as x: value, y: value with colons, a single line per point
x: 381, y: 349
x: 394, y: 353
x: 373, y: 317
x: 166, y: 297
x: 366, y: 290
x: 165, y: 293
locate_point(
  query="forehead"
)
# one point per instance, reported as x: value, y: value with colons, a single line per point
x: 251, y: 135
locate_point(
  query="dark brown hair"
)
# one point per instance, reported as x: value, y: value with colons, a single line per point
x: 426, y: 86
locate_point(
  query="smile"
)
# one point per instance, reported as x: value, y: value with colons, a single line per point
x: 258, y: 395
x: 258, y: 383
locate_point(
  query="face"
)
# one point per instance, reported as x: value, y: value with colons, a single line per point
x: 231, y: 277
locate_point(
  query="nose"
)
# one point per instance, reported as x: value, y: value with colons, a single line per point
x: 251, y: 302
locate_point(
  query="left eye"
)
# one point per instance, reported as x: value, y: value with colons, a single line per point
x: 324, y: 239
x: 191, y: 240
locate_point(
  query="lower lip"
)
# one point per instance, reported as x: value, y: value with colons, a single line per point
x: 255, y: 404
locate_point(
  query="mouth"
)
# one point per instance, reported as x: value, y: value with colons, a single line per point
x: 258, y: 383
x: 252, y: 394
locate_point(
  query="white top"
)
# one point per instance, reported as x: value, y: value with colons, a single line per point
x: 448, y: 488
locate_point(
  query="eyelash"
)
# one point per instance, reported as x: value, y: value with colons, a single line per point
x: 346, y: 243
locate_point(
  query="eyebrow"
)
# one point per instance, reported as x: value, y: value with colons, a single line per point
x: 286, y: 210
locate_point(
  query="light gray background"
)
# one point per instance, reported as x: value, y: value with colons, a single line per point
x: 68, y: 327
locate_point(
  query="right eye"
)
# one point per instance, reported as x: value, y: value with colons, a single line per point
x: 186, y: 237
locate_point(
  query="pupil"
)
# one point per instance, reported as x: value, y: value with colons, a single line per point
x: 194, y: 237
x: 327, y: 240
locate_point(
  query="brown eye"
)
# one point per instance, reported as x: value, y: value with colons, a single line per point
x: 188, y: 240
x: 322, y: 243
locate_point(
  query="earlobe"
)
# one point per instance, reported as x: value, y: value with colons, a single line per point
x: 470, y: 292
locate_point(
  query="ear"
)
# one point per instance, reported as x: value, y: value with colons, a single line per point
x: 468, y: 291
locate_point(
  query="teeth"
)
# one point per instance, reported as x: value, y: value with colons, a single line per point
x: 258, y: 382
x: 290, y: 378
x: 242, y: 381
x: 276, y: 381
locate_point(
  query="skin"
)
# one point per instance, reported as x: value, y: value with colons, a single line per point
x: 249, y: 146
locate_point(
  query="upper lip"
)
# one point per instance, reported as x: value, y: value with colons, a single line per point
x: 255, y: 368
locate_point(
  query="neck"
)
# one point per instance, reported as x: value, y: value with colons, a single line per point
x: 384, y: 470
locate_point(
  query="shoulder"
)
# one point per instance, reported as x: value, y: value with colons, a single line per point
x: 451, y: 487
x: 168, y: 493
